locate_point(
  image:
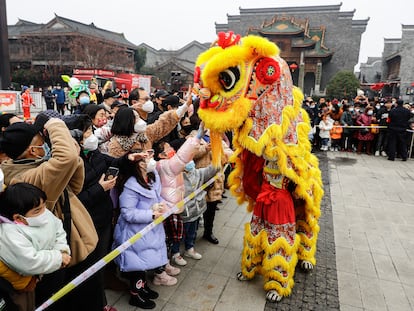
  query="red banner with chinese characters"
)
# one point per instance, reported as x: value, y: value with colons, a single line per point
x: 8, y: 101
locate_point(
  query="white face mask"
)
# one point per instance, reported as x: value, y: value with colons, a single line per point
x: 151, y: 164
x: 148, y: 106
x: 370, y: 113
x: 37, y: 221
x: 91, y: 143
x: 140, y: 126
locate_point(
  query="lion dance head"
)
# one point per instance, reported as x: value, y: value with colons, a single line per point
x: 246, y: 87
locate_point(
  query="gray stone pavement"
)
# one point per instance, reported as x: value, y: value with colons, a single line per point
x: 365, y: 255
x: 373, y: 212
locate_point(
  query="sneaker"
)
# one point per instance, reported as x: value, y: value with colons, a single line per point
x: 140, y: 302
x: 164, y: 279
x: 377, y: 153
x: 171, y: 270
x: 178, y: 260
x: 383, y: 153
x: 192, y: 254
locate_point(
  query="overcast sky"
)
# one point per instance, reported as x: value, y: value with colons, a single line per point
x: 172, y: 24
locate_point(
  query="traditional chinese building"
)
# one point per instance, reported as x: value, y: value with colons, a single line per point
x: 63, y: 44
x: 301, y: 46
x: 316, y: 41
x: 398, y: 65
x: 174, y: 68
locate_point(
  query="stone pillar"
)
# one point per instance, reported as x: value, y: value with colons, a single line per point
x: 318, y: 78
x: 301, y: 79
x: 4, y: 48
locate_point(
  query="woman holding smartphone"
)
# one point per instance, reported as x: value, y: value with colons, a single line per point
x: 95, y: 196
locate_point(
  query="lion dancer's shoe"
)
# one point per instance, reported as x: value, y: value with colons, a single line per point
x: 279, y: 262
x: 251, y: 255
x: 276, y: 262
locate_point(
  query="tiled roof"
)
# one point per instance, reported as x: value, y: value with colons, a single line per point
x: 67, y: 26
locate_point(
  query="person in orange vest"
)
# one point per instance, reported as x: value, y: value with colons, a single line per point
x: 27, y: 101
x: 336, y: 136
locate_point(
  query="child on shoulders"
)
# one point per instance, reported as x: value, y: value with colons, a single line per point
x: 32, y: 240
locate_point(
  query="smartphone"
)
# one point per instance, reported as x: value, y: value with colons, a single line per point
x: 111, y: 173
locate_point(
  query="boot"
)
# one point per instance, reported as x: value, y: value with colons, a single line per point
x: 139, y: 301
x: 359, y: 149
x: 208, y: 216
x: 369, y: 143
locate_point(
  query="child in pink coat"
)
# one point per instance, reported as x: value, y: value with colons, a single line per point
x: 170, y: 167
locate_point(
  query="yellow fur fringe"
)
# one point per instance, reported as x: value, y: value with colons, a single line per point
x: 258, y: 257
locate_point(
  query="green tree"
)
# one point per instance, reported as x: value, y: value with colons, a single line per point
x: 343, y: 84
x: 140, y: 57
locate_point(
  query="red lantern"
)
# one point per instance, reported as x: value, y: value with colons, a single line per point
x: 293, y: 67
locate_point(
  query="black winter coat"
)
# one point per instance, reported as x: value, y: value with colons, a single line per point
x: 97, y: 201
x: 399, y: 117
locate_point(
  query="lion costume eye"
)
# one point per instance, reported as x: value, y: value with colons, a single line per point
x: 229, y: 77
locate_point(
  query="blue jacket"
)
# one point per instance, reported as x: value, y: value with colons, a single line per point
x: 150, y: 251
x: 60, y: 96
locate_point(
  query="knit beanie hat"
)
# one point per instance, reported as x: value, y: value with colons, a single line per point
x: 16, y: 138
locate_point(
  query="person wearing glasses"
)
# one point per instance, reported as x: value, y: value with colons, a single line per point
x: 130, y: 129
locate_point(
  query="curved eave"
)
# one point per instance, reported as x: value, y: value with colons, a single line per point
x: 326, y: 57
x: 281, y: 33
x: 304, y: 45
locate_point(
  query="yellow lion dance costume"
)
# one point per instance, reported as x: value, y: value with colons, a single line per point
x: 244, y: 86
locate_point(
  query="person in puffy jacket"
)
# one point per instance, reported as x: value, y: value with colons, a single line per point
x: 170, y: 167
x: 140, y: 203
x: 194, y: 209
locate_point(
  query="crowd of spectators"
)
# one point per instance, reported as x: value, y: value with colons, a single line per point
x: 379, y: 127
x: 105, y: 164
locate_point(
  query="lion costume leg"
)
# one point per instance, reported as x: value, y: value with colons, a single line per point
x: 270, y: 241
x: 307, y: 229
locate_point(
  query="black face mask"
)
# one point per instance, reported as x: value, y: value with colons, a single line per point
x: 187, y: 129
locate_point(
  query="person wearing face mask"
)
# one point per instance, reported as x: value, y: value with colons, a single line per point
x: 95, y: 196
x: 61, y: 177
x: 194, y: 209
x: 170, y: 167
x: 166, y: 122
x: 101, y: 130
x: 364, y: 135
x: 159, y: 97
x: 82, y: 100
x: 382, y: 116
x: 32, y: 241
x: 140, y: 203
x: 130, y: 131
x: 347, y: 120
